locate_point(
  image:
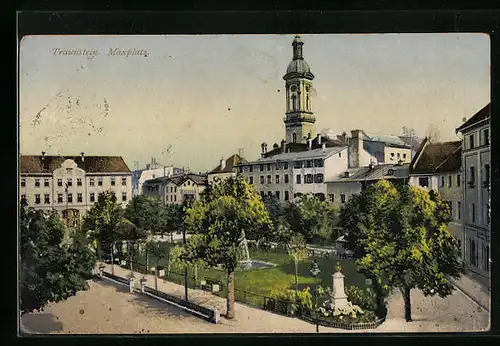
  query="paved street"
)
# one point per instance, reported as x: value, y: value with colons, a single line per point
x: 109, y: 308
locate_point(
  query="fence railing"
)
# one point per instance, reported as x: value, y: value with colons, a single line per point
x: 255, y: 300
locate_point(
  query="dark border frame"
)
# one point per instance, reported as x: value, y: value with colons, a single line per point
x: 187, y: 18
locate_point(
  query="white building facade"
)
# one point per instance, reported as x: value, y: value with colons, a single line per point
x: 176, y: 190
x: 438, y: 166
x: 72, y: 184
x: 476, y: 163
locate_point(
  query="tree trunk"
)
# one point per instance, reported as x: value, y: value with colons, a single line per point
x: 112, y: 260
x: 147, y: 260
x: 130, y: 257
x: 172, y: 237
x: 230, y: 295
x: 407, y: 300
x: 296, y: 277
x: 168, y: 264
x: 156, y: 274
x: 195, y: 274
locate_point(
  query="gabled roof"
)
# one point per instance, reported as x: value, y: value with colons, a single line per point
x: 483, y: 114
x: 178, y: 180
x: 301, y: 155
x: 377, y: 172
x: 90, y: 164
x: 231, y: 163
x: 437, y: 157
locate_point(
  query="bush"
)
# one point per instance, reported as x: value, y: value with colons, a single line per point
x: 365, y: 299
x: 300, y: 302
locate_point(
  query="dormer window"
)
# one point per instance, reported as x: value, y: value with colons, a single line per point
x: 390, y: 172
x: 346, y: 174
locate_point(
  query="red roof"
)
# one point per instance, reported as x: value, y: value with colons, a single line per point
x: 91, y: 164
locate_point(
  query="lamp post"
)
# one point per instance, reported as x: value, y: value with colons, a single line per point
x: 315, y: 270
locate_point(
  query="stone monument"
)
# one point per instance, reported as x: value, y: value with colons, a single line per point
x: 338, y: 298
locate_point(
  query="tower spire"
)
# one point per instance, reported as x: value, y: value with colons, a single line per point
x: 297, y: 48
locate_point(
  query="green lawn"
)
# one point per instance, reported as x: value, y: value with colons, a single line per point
x: 263, y: 281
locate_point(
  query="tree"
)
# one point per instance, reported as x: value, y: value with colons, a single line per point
x: 401, y: 236
x: 147, y: 213
x: 433, y: 133
x: 311, y: 217
x: 297, y: 251
x: 228, y: 212
x: 49, y: 270
x: 159, y: 251
x: 102, y: 220
x: 176, y: 214
x: 126, y: 230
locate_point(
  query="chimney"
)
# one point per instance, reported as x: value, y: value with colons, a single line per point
x: 264, y: 149
x: 222, y: 164
x: 164, y: 171
x: 323, y: 147
x: 319, y: 138
x: 83, y: 156
x: 283, y: 145
x: 148, y: 166
x: 356, y: 147
x: 309, y: 144
x: 43, y: 155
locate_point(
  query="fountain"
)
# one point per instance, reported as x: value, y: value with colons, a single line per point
x: 246, y: 262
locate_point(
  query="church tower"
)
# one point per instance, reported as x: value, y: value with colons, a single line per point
x: 299, y: 119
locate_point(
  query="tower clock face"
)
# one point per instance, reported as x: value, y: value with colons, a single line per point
x: 293, y: 88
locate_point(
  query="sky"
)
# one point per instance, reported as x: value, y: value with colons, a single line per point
x: 191, y: 100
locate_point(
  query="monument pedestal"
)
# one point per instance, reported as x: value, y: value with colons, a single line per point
x: 338, y: 298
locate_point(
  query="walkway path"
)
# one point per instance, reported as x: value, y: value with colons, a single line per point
x: 110, y: 308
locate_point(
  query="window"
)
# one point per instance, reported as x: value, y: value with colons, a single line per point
x: 277, y: 179
x: 309, y: 163
x: 250, y: 180
x: 70, y: 198
x: 70, y: 182
x: 285, y: 165
x: 261, y: 167
x: 46, y: 182
x: 450, y: 205
x: 298, y: 178
x: 294, y: 138
x: 459, y: 244
x: 189, y: 182
x: 297, y: 164
x: 269, y: 194
x: 449, y: 181
x: 99, y: 181
x: 268, y: 166
x: 486, y: 258
x: 392, y: 154
x: 171, y: 198
x: 37, y: 199
x: 37, y: 182
x: 287, y: 197
x: 318, y: 178
x: 262, y: 179
x: 124, y: 181
x: 458, y: 180
x: 404, y: 156
x: 78, y: 181
x: 175, y: 189
x: 340, y: 154
x: 47, y: 198
x: 92, y: 197
x: 459, y: 210
x: 171, y: 189
x: 23, y: 182
x: 59, y: 198
x: 320, y: 196
x: 124, y: 196
x: 262, y: 194
x: 486, y: 182
x: 390, y: 172
x: 278, y: 166
x: 472, y: 253
x: 251, y: 168
x: 175, y: 198
x: 486, y: 137
x: 331, y: 197
x: 424, y: 182
x: 113, y: 181
x: 277, y: 195
x: 308, y: 179
x: 399, y: 155
x: 471, y: 141
x: 442, y: 181
x: 473, y: 212
x: 240, y: 169
x: 79, y: 198
x: 286, y: 178
x: 269, y: 179
x: 91, y: 182
x: 472, y: 176
x: 23, y: 197
x: 342, y: 198
x: 294, y: 102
